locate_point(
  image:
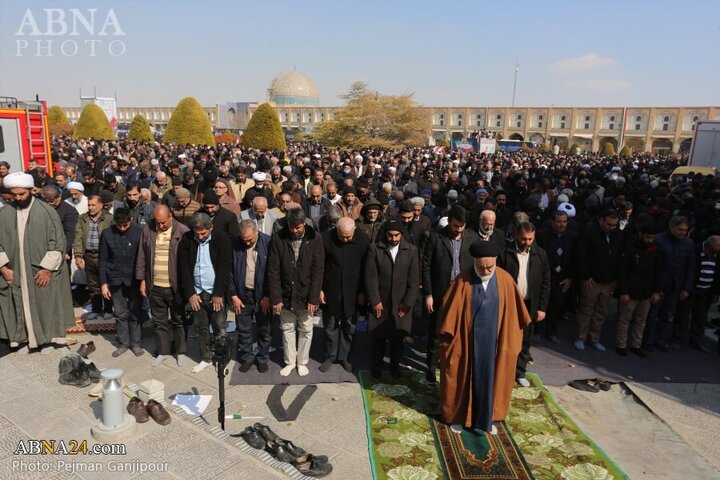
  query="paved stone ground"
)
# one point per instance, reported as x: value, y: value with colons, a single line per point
x: 33, y: 405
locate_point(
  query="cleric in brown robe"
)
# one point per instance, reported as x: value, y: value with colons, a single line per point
x: 480, y: 337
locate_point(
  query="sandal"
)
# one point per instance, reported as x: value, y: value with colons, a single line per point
x: 603, y: 384
x: 313, y: 468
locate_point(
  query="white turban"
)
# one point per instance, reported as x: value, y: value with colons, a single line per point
x: 568, y: 208
x: 75, y: 186
x: 259, y: 176
x: 19, y: 180
x: 358, y: 157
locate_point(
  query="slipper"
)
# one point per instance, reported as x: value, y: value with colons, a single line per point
x: 603, y: 384
x: 584, y: 386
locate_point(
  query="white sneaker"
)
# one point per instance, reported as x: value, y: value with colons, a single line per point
x: 302, y: 370
x: 493, y: 430
x: 456, y: 428
x: 200, y: 366
x: 107, y: 316
x: 580, y: 345
x: 182, y: 360
x: 286, y: 370
x: 599, y: 347
x: 523, y: 382
x: 157, y: 361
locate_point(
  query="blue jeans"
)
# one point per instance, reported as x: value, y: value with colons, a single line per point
x: 252, y: 313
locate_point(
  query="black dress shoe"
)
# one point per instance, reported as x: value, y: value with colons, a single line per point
x: 93, y: 372
x: 621, y: 351
x: 299, y: 453
x: 262, y: 367
x: 347, y: 366
x: 245, y: 366
x: 313, y: 468
x: 252, y: 438
x: 325, y: 366
x: 265, y: 432
x: 638, y: 351
x: 278, y: 451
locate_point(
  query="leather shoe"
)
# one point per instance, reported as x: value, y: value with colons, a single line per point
x: 265, y: 432
x: 245, y: 366
x: 298, y: 452
x: 137, y: 351
x: 278, y: 451
x: 86, y: 349
x: 93, y: 372
x: 313, y: 468
x: 119, y: 351
x: 157, y: 412
x: 136, y: 408
x: 262, y: 367
x: 347, y: 366
x: 325, y: 366
x: 252, y: 438
x: 77, y: 377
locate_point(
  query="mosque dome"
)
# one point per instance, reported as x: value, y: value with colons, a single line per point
x: 293, y: 88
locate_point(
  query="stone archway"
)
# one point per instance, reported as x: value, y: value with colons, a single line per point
x: 537, y: 138
x: 561, y: 142
x: 661, y: 146
x: 516, y: 136
x: 636, y: 144
x: 685, y: 145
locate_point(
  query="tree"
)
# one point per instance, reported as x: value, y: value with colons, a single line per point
x: 299, y: 137
x: 608, y: 149
x: 140, y: 130
x: 227, y: 137
x: 93, y: 124
x: 264, y: 131
x: 373, y: 120
x: 626, y: 151
x: 56, y: 116
x: 61, y: 130
x: 189, y: 123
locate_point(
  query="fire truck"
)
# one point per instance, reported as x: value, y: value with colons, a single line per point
x: 24, y: 134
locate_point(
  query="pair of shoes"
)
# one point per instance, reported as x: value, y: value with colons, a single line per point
x: 580, y: 345
x: 265, y: 432
x: 663, y: 347
x: 347, y: 366
x: 246, y: 365
x: 303, y: 370
x: 252, y: 438
x: 584, y: 385
x: 698, y: 346
x: 430, y: 376
x: 638, y: 351
x: 493, y: 430
x: 119, y: 351
x: 90, y: 316
x: 262, y: 367
x: 311, y: 467
x: 137, y: 351
x: 286, y: 370
x: 142, y: 412
x: 325, y: 366
x: 523, y: 382
x: 602, y: 384
x: 622, y: 351
x: 201, y: 366
x: 278, y: 451
x: 78, y: 377
x: 299, y: 454
x: 86, y: 349
x: 598, y: 346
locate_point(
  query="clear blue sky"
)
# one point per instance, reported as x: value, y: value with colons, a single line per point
x: 448, y: 53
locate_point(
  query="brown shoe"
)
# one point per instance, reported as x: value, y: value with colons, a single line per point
x: 137, y: 409
x: 157, y: 412
x: 86, y: 349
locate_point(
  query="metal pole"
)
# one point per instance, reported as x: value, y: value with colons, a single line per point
x: 517, y: 69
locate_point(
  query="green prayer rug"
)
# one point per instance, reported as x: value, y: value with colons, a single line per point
x: 538, y: 440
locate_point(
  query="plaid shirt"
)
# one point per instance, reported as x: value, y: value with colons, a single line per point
x: 93, y: 238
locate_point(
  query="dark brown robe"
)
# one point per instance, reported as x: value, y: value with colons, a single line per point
x: 456, y: 348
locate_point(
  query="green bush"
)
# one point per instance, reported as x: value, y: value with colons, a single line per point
x: 264, y: 131
x: 189, y: 123
x: 299, y: 137
x: 626, y: 151
x: 61, y: 130
x: 140, y: 130
x: 608, y: 149
x: 56, y: 116
x: 93, y: 124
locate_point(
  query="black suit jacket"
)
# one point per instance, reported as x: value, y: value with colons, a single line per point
x: 438, y: 260
x: 68, y: 217
x: 226, y: 222
x: 220, y: 256
x: 538, y: 276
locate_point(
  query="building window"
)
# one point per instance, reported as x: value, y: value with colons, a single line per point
x: 637, y: 126
x: 638, y: 119
x: 519, y: 124
x: 587, y: 126
x: 540, y: 117
x: 562, y: 125
x: 478, y: 123
x: 587, y: 118
x: 497, y: 124
x: 562, y: 118
x: 539, y: 124
x: 519, y: 117
x: 665, y: 127
x: 666, y: 119
x: 611, y: 126
x: 612, y: 119
x: 459, y: 120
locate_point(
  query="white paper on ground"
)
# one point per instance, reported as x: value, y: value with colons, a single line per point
x: 192, y: 404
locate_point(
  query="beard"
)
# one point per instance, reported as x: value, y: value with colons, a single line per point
x: 23, y: 204
x: 486, y: 278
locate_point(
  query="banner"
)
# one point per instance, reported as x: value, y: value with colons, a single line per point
x: 487, y: 145
x: 107, y: 105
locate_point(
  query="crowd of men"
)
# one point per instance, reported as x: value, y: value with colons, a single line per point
x: 278, y: 237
